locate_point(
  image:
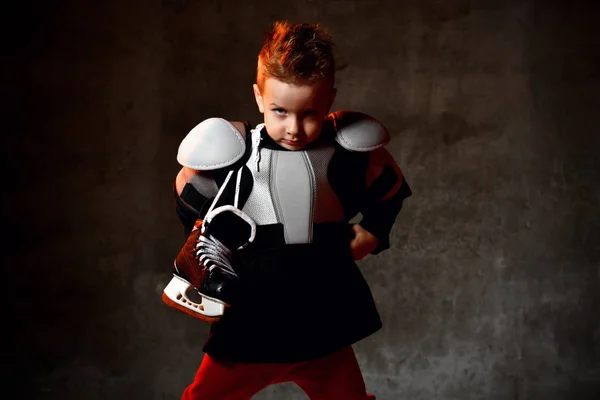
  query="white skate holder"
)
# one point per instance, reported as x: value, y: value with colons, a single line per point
x: 175, y: 294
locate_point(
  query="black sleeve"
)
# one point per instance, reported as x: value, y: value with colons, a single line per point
x: 379, y: 216
x: 187, y: 215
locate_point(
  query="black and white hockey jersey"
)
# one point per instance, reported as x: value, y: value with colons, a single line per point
x: 301, y: 294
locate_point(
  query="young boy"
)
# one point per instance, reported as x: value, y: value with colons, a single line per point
x: 270, y: 246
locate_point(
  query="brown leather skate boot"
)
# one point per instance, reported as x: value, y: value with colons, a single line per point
x: 204, y: 263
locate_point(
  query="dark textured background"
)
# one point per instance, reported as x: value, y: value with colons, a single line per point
x: 491, y: 289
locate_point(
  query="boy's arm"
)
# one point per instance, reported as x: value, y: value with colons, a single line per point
x: 386, y: 190
x: 385, y: 183
x: 211, y: 147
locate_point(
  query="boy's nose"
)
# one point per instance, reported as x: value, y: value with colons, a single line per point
x: 293, y: 127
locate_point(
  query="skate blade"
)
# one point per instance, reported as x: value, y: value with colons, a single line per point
x: 174, y: 295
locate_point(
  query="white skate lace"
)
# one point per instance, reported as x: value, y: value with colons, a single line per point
x: 256, y: 144
x: 213, y: 254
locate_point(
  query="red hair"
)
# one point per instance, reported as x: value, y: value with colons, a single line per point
x: 296, y: 53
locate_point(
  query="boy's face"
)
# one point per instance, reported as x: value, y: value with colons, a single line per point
x: 294, y: 114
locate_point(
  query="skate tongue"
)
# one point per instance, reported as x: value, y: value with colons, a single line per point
x: 229, y: 229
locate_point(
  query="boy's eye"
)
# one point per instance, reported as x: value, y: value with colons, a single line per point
x: 279, y: 111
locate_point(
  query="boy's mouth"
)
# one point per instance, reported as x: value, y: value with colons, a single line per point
x: 296, y: 142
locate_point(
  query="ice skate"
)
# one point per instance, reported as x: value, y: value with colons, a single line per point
x: 204, y: 263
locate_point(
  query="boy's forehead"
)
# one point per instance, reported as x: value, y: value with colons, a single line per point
x: 282, y: 92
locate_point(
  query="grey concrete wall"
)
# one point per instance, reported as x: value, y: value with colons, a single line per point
x: 491, y: 289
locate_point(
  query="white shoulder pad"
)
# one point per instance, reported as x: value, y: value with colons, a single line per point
x: 356, y: 131
x: 213, y: 143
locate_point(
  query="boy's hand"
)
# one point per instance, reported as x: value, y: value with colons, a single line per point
x: 363, y: 242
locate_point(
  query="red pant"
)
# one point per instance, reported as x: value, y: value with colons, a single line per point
x: 333, y: 377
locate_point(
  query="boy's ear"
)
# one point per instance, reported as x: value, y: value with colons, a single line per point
x: 259, y: 99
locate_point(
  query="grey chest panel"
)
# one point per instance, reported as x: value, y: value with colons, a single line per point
x: 293, y: 192
x: 328, y: 207
x: 291, y: 188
